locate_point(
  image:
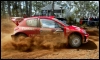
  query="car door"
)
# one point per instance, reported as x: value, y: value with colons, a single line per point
x: 32, y: 27
x: 51, y: 31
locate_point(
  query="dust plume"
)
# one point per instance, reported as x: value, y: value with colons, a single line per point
x: 41, y: 41
x: 38, y: 42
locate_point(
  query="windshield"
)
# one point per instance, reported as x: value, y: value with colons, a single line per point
x: 64, y: 22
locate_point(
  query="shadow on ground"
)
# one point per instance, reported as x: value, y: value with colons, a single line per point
x: 93, y: 32
x: 87, y: 46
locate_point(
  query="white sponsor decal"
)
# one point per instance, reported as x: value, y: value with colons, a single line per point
x: 27, y: 28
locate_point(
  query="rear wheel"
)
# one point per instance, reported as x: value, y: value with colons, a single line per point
x: 20, y: 36
x: 21, y: 42
x: 75, y: 40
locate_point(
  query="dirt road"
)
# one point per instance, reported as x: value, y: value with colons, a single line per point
x: 89, y: 50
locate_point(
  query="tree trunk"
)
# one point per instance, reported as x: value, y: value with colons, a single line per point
x: 13, y: 14
x: 36, y: 8
x: 53, y: 8
x: 16, y: 8
x: 30, y: 8
x: 9, y: 12
x: 26, y: 2
x: 3, y: 9
x: 20, y: 9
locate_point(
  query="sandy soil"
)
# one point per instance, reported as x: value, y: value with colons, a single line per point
x: 9, y: 50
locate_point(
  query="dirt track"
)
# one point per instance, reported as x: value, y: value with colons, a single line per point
x: 89, y: 50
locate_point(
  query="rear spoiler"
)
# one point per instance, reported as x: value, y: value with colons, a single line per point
x: 17, y: 20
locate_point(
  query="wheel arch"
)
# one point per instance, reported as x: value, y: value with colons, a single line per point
x: 70, y: 41
x: 77, y: 33
x: 20, y: 33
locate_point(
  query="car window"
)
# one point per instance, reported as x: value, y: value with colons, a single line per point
x: 49, y: 23
x: 61, y: 21
x: 32, y: 22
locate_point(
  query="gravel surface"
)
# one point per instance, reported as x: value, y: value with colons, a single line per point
x: 89, y: 50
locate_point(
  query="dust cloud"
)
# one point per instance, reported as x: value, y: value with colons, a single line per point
x: 27, y: 44
x: 44, y: 45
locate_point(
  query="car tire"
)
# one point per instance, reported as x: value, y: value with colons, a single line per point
x: 75, y: 40
x: 17, y: 37
x: 21, y: 43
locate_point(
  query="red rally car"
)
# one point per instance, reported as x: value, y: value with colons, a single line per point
x: 75, y: 36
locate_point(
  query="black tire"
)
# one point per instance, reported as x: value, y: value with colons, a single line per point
x: 18, y: 36
x: 75, y: 40
x: 22, y: 44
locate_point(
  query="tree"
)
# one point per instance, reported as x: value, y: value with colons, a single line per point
x: 30, y: 8
x: 26, y: 3
x: 85, y: 8
x: 3, y: 8
x: 9, y: 11
x: 20, y: 9
x: 52, y: 7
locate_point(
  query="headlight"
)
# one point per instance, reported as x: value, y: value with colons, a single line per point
x: 84, y: 31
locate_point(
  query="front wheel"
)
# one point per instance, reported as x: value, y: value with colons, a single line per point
x: 75, y: 40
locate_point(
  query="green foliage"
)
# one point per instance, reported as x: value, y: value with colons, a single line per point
x: 69, y: 19
x: 19, y: 7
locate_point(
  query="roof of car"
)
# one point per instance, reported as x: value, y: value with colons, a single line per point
x: 44, y: 16
x: 41, y: 17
